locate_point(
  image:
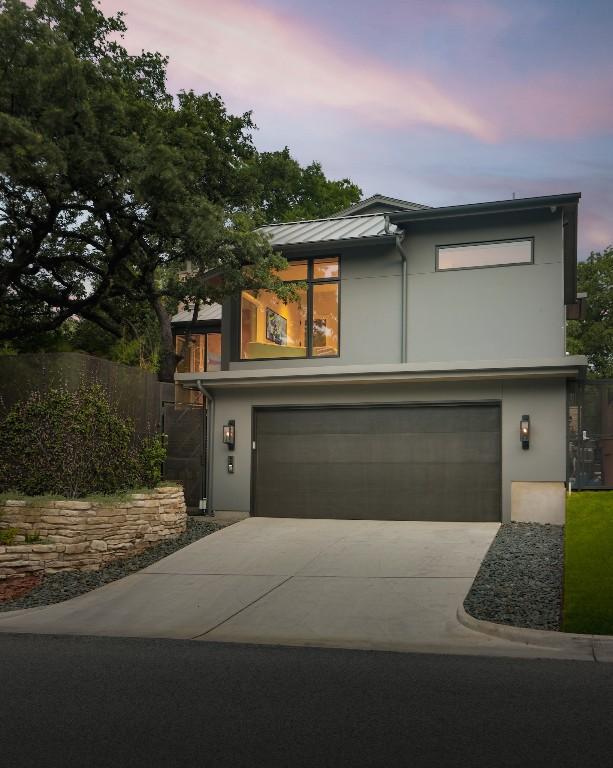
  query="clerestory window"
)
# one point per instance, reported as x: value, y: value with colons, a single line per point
x: 499, y: 253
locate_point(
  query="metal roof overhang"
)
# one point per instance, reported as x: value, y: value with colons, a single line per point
x: 327, y: 246
x: 567, y: 203
x: 568, y: 367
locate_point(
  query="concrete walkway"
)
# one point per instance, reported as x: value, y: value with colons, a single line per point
x: 339, y: 583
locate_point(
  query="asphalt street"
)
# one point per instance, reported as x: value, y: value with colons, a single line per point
x: 80, y: 701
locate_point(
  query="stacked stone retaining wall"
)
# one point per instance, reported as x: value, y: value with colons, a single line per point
x: 84, y: 535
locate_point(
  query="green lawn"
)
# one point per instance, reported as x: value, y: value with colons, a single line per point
x: 588, y: 563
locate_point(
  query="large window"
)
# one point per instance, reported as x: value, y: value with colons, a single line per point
x: 203, y: 352
x: 307, y: 327
x: 491, y: 254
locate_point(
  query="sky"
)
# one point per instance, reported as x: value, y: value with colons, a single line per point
x: 440, y: 102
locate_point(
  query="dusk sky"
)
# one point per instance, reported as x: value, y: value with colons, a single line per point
x: 434, y: 101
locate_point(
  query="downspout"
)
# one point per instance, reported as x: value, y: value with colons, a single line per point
x: 206, y: 503
x: 403, y: 313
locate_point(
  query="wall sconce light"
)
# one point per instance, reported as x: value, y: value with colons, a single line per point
x: 229, y: 434
x: 524, y: 432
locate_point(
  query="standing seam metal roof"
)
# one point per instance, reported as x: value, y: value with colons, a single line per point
x: 384, y: 200
x: 208, y: 312
x: 325, y: 230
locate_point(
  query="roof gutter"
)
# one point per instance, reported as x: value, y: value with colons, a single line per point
x: 325, y: 245
x: 478, y: 209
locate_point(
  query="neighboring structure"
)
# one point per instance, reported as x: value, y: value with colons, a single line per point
x: 395, y: 387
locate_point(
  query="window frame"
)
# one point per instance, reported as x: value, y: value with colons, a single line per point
x: 199, y: 332
x: 310, y: 282
x: 529, y: 239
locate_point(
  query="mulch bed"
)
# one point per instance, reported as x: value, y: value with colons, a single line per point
x: 16, y: 586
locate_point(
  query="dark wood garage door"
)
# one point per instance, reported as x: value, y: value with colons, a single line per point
x: 435, y: 462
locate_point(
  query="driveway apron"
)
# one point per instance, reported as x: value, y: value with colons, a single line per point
x: 382, y: 585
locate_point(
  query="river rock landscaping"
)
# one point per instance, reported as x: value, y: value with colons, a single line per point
x: 57, y: 587
x: 520, y: 579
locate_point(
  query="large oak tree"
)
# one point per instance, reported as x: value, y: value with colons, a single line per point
x: 108, y: 184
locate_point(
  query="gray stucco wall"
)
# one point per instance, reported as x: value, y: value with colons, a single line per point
x: 513, y: 312
x: 543, y: 400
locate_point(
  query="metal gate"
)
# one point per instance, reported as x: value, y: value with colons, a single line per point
x: 590, y: 434
x: 185, y: 427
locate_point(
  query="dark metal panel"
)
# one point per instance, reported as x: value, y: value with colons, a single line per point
x: 569, y: 222
x: 428, y: 462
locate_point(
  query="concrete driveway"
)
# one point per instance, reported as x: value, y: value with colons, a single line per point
x: 339, y: 583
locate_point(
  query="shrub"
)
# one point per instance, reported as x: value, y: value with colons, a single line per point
x: 7, y: 535
x: 74, y: 443
x: 152, y: 454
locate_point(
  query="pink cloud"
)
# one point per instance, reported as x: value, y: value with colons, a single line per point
x: 279, y: 62
x: 551, y: 105
x: 264, y: 57
x: 465, y: 12
x: 597, y: 231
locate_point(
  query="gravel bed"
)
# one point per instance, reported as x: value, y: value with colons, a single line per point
x: 62, y: 586
x: 520, y: 579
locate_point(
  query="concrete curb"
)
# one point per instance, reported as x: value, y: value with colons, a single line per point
x: 589, y: 647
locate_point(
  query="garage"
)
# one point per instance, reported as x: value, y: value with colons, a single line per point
x: 385, y: 462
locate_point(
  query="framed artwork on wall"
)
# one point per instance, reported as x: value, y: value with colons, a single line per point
x: 319, y: 332
x: 276, y: 327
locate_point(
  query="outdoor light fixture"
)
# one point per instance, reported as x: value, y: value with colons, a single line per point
x: 524, y: 432
x: 229, y: 434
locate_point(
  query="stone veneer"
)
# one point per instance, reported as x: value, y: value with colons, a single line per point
x: 84, y: 535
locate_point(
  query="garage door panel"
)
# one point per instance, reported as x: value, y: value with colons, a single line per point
x: 396, y: 448
x: 398, y: 463
x: 388, y: 420
x: 427, y: 492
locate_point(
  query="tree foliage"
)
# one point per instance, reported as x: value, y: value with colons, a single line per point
x: 593, y: 336
x: 105, y: 179
x: 74, y: 443
x: 285, y: 191
x: 108, y: 184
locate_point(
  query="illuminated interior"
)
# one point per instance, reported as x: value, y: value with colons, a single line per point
x: 270, y: 328
x: 308, y: 327
x: 203, y: 352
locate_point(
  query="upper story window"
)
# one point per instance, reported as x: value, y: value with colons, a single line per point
x: 496, y: 253
x: 308, y: 327
x: 203, y: 352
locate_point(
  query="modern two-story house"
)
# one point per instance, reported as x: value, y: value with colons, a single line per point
x: 421, y: 374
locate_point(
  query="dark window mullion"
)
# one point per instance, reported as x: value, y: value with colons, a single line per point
x: 309, y: 329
